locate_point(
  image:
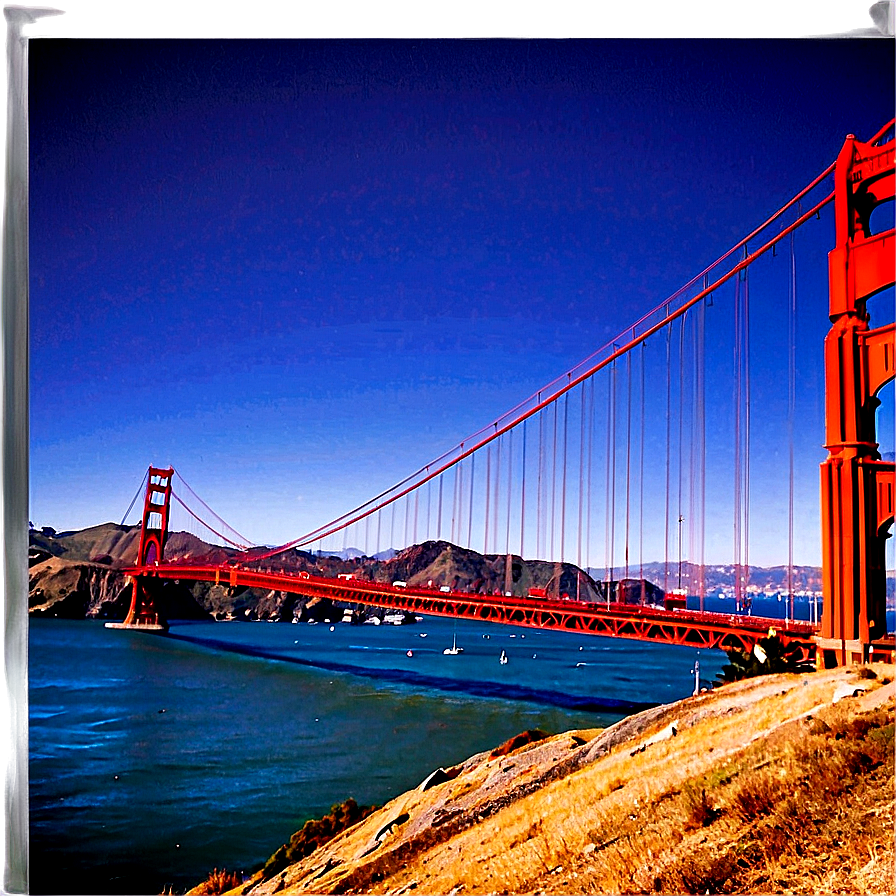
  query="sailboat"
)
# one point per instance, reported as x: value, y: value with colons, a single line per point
x: 453, y: 650
x: 503, y: 659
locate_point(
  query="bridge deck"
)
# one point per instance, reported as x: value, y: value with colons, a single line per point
x: 683, y: 627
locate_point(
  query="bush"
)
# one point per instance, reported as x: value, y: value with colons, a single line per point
x: 219, y: 882
x: 315, y: 833
x: 778, y: 658
x: 698, y: 810
x: 757, y: 796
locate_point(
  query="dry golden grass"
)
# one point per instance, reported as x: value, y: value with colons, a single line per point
x: 766, y: 787
x: 217, y: 882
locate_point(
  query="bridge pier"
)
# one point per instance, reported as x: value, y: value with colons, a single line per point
x: 143, y: 613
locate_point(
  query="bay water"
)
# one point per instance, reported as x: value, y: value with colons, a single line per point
x: 155, y: 758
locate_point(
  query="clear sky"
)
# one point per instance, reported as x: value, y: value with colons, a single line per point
x: 299, y: 270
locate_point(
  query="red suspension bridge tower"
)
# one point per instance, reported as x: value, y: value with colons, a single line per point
x: 143, y: 613
x: 856, y: 485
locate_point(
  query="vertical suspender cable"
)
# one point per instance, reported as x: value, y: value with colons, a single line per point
x: 472, y: 486
x: 791, y: 409
x: 523, y: 496
x: 641, y: 474
x: 392, y: 529
x: 607, y: 490
x: 737, y: 436
x: 628, y: 453
x: 681, y: 368
x: 563, y: 482
x: 668, y: 443
x: 695, y: 556
x: 407, y: 513
x: 439, y: 517
x: 509, y: 488
x: 613, y: 475
x: 553, y: 478
x: 581, y: 473
x: 539, y: 504
x: 488, y: 494
x: 416, y: 512
x: 499, y: 449
x: 746, y: 428
x: 453, y: 538
x: 590, y: 470
x: 701, y: 446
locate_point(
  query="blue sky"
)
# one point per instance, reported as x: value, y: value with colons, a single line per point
x: 299, y: 270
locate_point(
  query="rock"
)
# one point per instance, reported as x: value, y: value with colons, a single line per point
x: 847, y: 690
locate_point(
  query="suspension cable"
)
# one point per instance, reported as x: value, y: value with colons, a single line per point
x: 242, y: 547
x: 140, y: 490
x: 223, y: 522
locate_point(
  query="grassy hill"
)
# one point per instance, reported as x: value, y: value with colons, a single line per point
x: 776, y: 784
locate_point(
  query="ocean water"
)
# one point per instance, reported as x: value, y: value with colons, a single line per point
x: 154, y: 759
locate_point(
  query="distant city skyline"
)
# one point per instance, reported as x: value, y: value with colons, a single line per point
x: 299, y: 270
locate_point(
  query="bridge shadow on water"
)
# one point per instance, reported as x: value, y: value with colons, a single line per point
x: 473, y: 687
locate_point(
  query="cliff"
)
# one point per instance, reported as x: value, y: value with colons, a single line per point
x: 782, y: 783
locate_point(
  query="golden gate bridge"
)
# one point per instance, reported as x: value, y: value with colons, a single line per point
x: 615, y: 449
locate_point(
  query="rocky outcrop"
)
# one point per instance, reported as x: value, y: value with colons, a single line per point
x: 76, y: 590
x: 68, y: 589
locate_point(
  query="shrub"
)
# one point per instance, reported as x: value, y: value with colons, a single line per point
x: 699, y: 872
x: 778, y: 658
x: 314, y: 833
x: 757, y: 796
x: 533, y: 735
x: 698, y: 810
x: 219, y: 882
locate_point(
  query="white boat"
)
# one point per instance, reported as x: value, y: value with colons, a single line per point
x: 453, y: 650
x: 503, y: 659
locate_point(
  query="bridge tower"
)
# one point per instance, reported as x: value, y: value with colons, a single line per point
x: 856, y: 484
x: 143, y: 613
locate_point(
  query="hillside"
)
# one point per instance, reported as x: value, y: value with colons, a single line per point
x: 776, y: 784
x: 76, y: 575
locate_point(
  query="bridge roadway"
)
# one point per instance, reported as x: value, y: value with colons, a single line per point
x: 683, y: 627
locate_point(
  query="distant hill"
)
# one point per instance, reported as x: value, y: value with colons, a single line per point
x: 722, y: 576
x: 77, y: 575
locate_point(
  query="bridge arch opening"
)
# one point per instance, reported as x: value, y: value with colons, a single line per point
x: 150, y: 554
x: 881, y: 218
